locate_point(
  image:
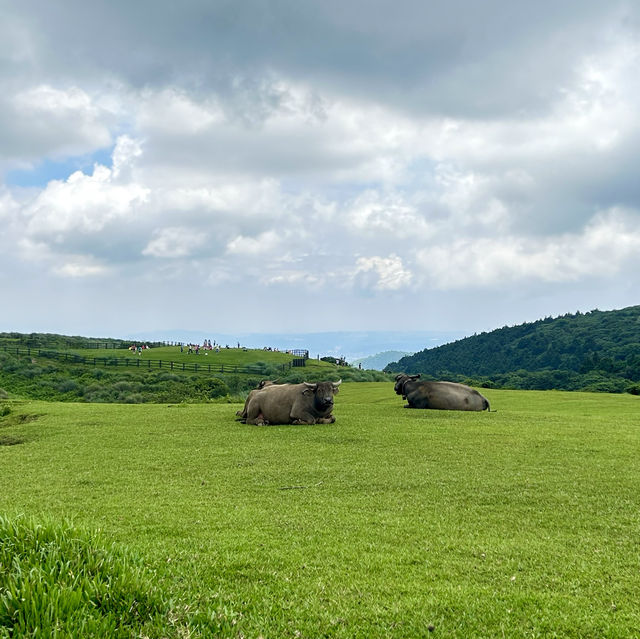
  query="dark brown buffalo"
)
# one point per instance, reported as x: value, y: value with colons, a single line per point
x: 293, y: 404
x: 439, y: 395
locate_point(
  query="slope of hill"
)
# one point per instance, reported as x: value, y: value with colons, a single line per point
x: 599, y: 350
x: 63, y: 368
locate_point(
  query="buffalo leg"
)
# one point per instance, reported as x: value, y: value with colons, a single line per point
x: 254, y: 415
x: 310, y: 419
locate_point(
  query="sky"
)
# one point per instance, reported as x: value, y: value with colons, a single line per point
x: 289, y: 166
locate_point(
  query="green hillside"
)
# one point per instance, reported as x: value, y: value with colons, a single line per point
x: 599, y: 350
x: 81, y: 369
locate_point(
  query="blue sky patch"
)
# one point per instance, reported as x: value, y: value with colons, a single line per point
x: 42, y: 173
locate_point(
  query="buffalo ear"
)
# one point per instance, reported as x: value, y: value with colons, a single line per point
x: 414, y: 376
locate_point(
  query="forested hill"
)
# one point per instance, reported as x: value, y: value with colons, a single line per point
x: 599, y: 350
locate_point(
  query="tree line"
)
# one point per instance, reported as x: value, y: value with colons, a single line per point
x: 598, y: 350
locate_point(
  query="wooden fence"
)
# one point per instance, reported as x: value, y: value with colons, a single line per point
x: 151, y: 364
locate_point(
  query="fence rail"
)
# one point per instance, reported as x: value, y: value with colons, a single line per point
x: 151, y: 364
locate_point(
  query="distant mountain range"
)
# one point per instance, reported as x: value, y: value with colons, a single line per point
x: 350, y: 345
x: 379, y: 361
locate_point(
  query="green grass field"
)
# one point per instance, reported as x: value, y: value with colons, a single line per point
x: 389, y: 523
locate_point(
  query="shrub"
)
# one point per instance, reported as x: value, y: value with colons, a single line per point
x: 67, y: 385
x: 212, y: 387
x: 131, y: 398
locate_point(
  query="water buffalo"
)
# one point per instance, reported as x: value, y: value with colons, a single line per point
x: 293, y: 404
x: 264, y: 383
x: 438, y: 395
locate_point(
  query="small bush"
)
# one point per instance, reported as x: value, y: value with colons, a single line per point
x: 212, y: 387
x: 131, y: 398
x: 67, y: 386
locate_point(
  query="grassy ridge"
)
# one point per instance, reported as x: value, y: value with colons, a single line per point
x: 522, y: 522
x: 118, y: 375
x: 226, y: 356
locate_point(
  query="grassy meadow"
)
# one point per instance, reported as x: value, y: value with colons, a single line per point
x: 523, y: 522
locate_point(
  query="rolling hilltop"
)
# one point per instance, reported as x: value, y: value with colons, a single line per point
x: 599, y: 350
x: 82, y: 369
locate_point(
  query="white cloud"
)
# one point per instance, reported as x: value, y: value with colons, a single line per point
x: 172, y: 111
x: 267, y: 243
x: 80, y: 267
x: 83, y: 203
x: 386, y: 215
x: 607, y: 247
x: 8, y: 205
x: 49, y: 121
x: 174, y: 242
x: 381, y: 273
x: 124, y: 156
